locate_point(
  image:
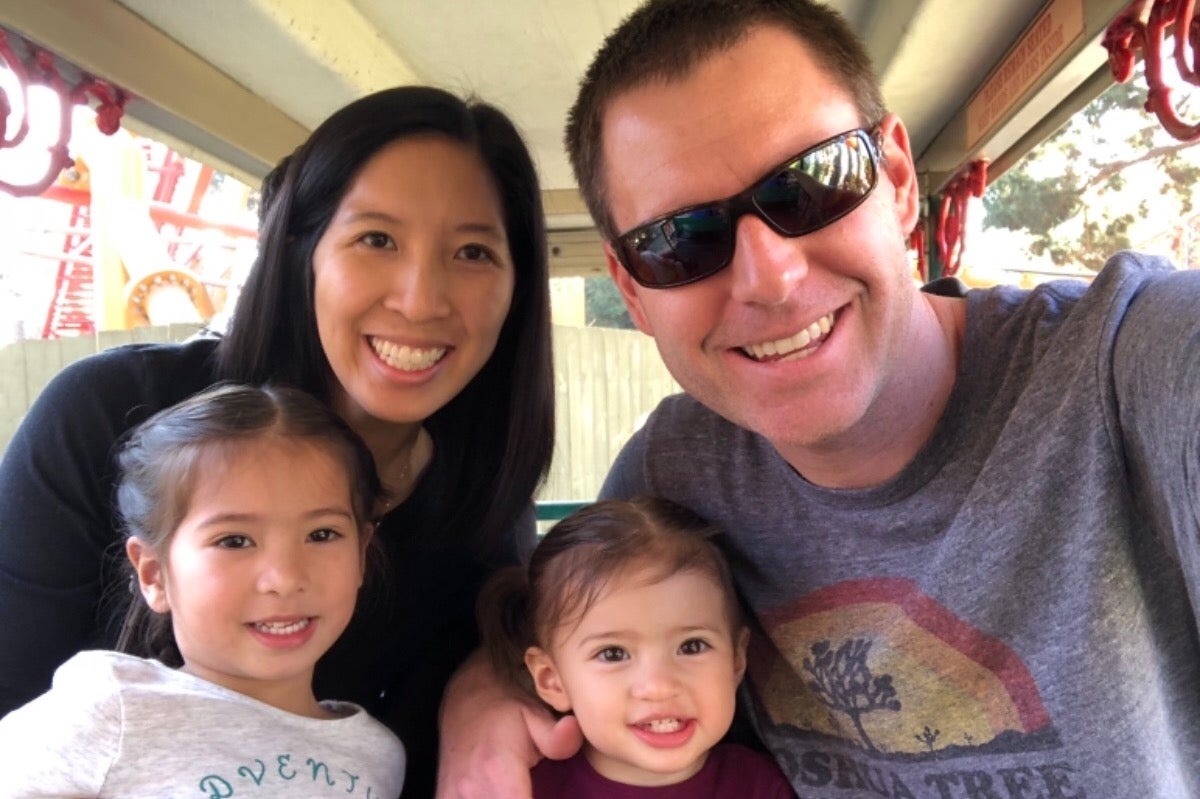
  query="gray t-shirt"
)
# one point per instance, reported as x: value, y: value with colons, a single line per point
x: 1014, y: 614
x: 115, y: 726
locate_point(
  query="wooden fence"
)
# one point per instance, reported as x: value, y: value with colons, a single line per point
x: 27, y: 366
x: 605, y: 380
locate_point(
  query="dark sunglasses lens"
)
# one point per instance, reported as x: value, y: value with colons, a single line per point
x: 679, y: 249
x: 819, y: 187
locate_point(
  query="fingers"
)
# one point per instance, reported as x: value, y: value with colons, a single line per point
x: 496, y: 765
x: 486, y: 748
x: 490, y: 738
x: 556, y: 740
x: 498, y: 774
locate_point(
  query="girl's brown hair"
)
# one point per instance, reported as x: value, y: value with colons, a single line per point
x: 161, y: 459
x: 569, y: 570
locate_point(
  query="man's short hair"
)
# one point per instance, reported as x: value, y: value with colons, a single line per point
x: 664, y: 39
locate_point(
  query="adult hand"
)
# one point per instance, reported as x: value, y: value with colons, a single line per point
x: 491, y: 738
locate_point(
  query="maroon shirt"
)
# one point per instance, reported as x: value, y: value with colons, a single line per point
x: 730, y: 772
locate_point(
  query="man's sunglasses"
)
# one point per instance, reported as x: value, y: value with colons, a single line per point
x: 803, y: 194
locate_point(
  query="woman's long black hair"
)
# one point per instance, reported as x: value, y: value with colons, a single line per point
x: 494, y: 440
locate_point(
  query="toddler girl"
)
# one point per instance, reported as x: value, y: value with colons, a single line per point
x: 627, y: 617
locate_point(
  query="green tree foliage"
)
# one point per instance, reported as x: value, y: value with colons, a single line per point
x: 603, y: 303
x: 1076, y: 194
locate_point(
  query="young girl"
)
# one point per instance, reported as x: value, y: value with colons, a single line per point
x: 627, y: 617
x: 246, y: 514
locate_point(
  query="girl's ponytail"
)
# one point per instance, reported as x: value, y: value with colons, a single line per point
x: 505, y: 619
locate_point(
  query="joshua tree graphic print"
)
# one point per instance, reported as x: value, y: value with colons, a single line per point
x: 843, y: 682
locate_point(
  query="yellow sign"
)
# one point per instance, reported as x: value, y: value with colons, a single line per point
x: 1055, y: 29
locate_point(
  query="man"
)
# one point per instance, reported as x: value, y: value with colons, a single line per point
x: 967, y: 527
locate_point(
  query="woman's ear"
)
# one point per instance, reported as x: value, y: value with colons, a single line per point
x: 151, y: 574
x: 546, y: 679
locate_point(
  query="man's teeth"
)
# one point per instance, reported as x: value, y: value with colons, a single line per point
x: 405, y: 358
x: 281, y: 628
x: 664, y: 725
x: 786, y: 346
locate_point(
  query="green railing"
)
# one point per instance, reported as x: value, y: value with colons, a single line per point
x: 554, y: 510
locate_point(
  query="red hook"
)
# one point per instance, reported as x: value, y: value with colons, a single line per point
x: 40, y: 68
x: 971, y: 181
x: 1127, y: 33
x: 916, y: 241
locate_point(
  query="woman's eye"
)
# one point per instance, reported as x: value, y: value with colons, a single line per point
x: 323, y: 535
x: 693, y: 646
x: 475, y: 252
x: 612, y: 654
x: 234, y: 541
x: 376, y: 240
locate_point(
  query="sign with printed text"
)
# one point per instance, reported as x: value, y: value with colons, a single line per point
x: 1055, y: 29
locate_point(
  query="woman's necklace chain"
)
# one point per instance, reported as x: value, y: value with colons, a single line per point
x: 396, y: 491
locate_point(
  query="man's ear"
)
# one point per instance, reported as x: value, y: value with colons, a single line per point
x: 901, y: 171
x: 628, y: 289
x: 151, y: 574
x: 546, y: 680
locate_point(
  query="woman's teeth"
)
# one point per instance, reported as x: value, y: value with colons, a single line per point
x: 405, y: 358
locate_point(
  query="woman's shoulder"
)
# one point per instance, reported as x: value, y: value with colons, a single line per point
x: 87, y: 407
x: 114, y: 382
x: 166, y: 367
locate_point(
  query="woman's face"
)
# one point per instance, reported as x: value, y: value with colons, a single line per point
x: 413, y: 280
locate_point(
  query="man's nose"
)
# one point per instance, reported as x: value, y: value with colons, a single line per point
x: 766, y: 266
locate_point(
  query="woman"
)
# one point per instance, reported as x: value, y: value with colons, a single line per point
x: 401, y: 278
